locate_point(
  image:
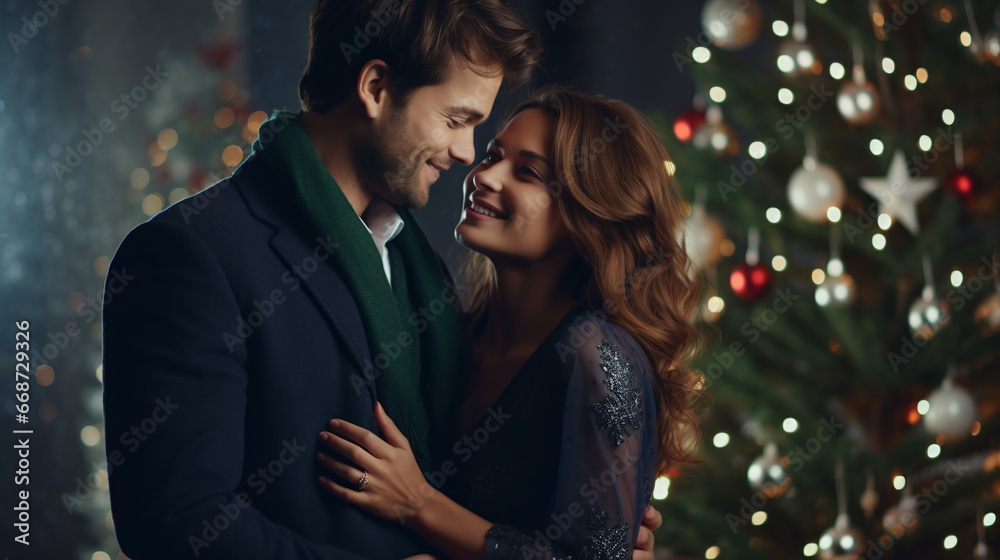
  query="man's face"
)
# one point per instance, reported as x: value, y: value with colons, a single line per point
x: 412, y: 144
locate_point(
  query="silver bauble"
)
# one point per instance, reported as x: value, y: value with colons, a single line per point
x: 858, y: 103
x: 731, y: 24
x: 842, y: 541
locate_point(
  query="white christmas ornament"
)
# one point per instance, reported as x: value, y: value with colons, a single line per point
x: 898, y: 193
x: 814, y: 188
x: 952, y: 411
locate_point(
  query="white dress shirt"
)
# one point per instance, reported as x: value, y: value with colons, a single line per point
x: 384, y: 224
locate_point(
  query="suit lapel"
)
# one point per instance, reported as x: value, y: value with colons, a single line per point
x: 270, y: 201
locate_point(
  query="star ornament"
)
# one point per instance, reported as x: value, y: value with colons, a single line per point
x: 898, y: 193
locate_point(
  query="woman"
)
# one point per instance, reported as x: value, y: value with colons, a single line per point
x: 579, y: 317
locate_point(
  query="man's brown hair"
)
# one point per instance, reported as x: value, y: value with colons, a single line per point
x: 417, y: 39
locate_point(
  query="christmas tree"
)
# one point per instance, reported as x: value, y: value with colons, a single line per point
x: 841, y: 162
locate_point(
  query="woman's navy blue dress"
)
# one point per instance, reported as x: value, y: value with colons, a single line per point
x: 563, y: 462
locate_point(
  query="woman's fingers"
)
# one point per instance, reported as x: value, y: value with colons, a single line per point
x: 349, y: 495
x: 362, y: 437
x: 351, y: 451
x: 351, y: 475
x: 388, y: 428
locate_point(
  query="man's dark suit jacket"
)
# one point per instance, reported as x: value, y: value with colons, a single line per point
x: 231, y: 344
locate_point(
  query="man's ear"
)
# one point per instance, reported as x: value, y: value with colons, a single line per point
x: 373, y: 87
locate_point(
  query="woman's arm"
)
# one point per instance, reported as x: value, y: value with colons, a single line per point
x: 608, y: 452
x: 606, y: 467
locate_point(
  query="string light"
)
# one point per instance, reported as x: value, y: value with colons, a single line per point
x: 876, y: 146
x: 925, y: 142
x: 818, y: 276
x: 778, y: 263
x: 780, y: 28
x: 712, y: 553
x: 810, y: 549
x: 933, y: 450
x: 720, y: 440
x: 773, y: 215
x: 956, y: 278
x: 786, y: 96
x: 661, y: 488
x: 948, y: 116
x: 899, y: 482
x: 878, y: 241
x: 837, y: 70
x: 923, y: 406
x: 758, y: 518
x: 757, y: 150
x: 833, y: 214
x: 717, y: 94
x: 716, y: 304
x: 701, y: 54
x: 910, y: 81
x: 884, y: 221
x: 90, y: 436
x: 888, y: 66
x: 790, y: 425
x: 950, y: 542
x: 965, y: 38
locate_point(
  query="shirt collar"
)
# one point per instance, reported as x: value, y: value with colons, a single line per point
x: 382, y: 221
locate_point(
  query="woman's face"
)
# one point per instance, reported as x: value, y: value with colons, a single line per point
x: 512, y: 183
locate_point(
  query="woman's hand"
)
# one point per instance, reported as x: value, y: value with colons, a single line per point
x: 396, y: 489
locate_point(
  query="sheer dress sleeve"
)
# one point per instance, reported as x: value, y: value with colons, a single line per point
x: 608, y: 458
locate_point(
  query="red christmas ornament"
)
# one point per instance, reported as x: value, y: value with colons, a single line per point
x: 219, y: 56
x: 688, y: 123
x: 163, y: 174
x: 963, y: 183
x: 196, y: 180
x: 749, y: 282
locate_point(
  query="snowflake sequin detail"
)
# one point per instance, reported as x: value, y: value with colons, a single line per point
x: 605, y: 542
x: 504, y: 541
x: 620, y: 411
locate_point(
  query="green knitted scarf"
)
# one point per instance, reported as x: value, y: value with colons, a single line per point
x: 418, y: 387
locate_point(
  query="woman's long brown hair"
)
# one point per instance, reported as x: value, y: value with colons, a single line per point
x: 623, y: 210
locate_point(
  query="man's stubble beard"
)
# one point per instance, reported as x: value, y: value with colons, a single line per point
x: 391, y: 169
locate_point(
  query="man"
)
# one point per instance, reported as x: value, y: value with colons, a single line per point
x: 273, y: 301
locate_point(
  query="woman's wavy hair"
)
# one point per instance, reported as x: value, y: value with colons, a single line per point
x: 623, y: 210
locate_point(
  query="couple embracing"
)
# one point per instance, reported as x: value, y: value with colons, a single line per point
x: 375, y: 408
